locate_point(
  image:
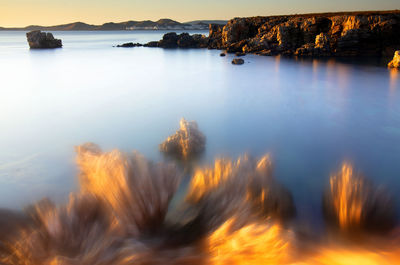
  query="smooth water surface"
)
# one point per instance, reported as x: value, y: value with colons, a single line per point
x: 311, y: 115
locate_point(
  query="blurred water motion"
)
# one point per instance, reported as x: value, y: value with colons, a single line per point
x: 239, y: 214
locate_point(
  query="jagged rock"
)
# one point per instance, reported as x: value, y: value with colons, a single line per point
x: 201, y: 41
x: 395, y: 63
x: 320, y: 48
x: 322, y: 41
x: 186, y: 142
x: 237, y: 61
x: 183, y: 40
x: 215, y: 36
x: 239, y: 29
x: 306, y: 50
x: 345, y: 34
x: 236, y: 47
x: 42, y: 40
x: 169, y: 40
x: 130, y: 45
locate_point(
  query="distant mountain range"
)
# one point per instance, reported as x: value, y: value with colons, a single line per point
x: 162, y: 24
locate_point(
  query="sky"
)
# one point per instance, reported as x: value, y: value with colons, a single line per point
x: 18, y: 13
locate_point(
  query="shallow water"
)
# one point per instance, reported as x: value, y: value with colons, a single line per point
x: 311, y: 115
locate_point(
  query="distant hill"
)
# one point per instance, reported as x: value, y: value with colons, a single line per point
x: 162, y: 24
x: 196, y: 22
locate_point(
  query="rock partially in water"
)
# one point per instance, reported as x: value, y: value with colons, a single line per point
x: 354, y: 204
x: 215, y: 40
x: 238, y: 61
x: 330, y: 34
x: 183, y: 40
x: 395, y: 63
x: 152, y: 44
x: 222, y: 54
x: 129, y: 45
x: 186, y: 142
x: 42, y: 40
x: 245, y: 187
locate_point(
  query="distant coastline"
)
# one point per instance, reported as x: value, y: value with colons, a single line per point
x: 162, y: 24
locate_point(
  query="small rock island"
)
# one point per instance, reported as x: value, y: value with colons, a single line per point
x: 42, y: 40
x: 188, y: 141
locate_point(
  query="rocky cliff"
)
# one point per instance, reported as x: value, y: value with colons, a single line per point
x: 329, y: 34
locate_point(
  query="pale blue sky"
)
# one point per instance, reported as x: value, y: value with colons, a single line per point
x: 51, y: 12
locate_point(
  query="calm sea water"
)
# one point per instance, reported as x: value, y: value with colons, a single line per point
x: 311, y: 115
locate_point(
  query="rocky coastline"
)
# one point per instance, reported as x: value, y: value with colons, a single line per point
x: 311, y: 35
x: 334, y: 34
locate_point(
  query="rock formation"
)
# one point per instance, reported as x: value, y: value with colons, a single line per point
x: 130, y: 45
x: 328, y: 34
x: 354, y: 204
x: 332, y: 34
x: 395, y: 63
x: 237, y: 61
x: 42, y: 40
x: 186, y: 142
x: 183, y: 40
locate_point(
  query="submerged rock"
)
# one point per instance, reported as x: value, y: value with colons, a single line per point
x: 42, y: 40
x: 186, y: 142
x: 395, y: 63
x: 237, y: 61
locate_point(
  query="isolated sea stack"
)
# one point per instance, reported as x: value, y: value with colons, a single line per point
x: 186, y: 142
x: 42, y: 40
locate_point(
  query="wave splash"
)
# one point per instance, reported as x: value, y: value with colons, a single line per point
x: 234, y: 212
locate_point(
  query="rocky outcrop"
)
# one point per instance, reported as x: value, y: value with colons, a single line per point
x: 395, y: 63
x: 183, y: 40
x: 42, y: 40
x: 130, y: 45
x: 331, y: 34
x: 237, y: 61
x: 186, y: 142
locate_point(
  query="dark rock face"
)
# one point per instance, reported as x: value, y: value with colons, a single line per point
x: 237, y: 61
x: 130, y: 45
x: 169, y: 40
x: 152, y: 44
x: 352, y: 34
x: 183, y: 40
x: 42, y: 40
x: 215, y: 39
